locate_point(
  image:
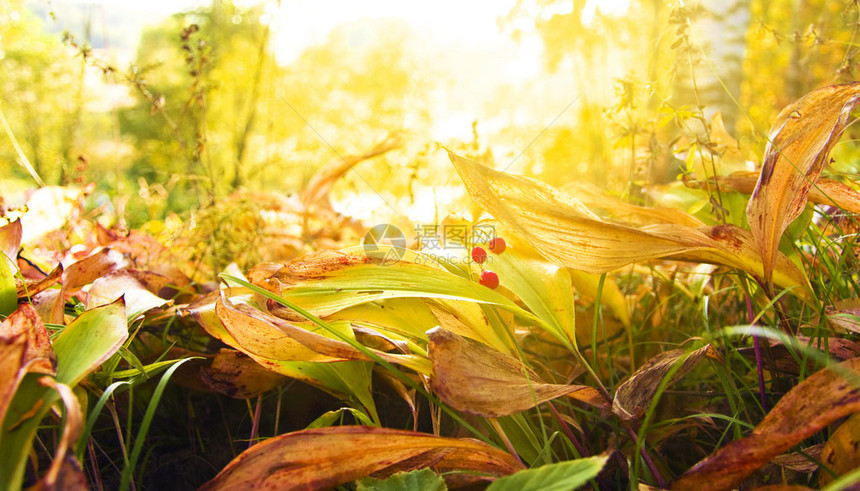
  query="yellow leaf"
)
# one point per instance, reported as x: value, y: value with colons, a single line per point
x: 323, y: 458
x: 477, y: 379
x: 798, y: 148
x: 564, y: 231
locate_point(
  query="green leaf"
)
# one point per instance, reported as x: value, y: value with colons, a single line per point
x: 423, y: 479
x: 328, y: 418
x: 8, y: 293
x: 82, y: 346
x: 544, y: 287
x: 561, y: 476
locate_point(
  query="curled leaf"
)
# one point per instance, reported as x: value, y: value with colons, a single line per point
x: 798, y: 148
x: 327, y: 457
x: 634, y: 396
x: 477, y: 379
x: 10, y: 239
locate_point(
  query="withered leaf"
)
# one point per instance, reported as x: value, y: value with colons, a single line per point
x: 826, y: 192
x: 798, y: 148
x: 320, y: 184
x: 236, y: 375
x: 38, y: 354
x: 327, y: 457
x: 123, y: 283
x: 10, y: 239
x: 74, y: 424
x: 29, y: 288
x: 634, y: 396
x: 786, y: 358
x: 840, y: 453
x: 816, y: 402
x: 260, y: 334
x: 90, y: 268
x: 564, y: 231
x: 477, y: 379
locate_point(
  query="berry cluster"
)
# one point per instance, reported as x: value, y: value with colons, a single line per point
x: 479, y: 255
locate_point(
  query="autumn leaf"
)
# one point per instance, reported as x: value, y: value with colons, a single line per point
x: 10, y: 239
x: 236, y: 375
x: 111, y: 286
x: 62, y: 470
x: 567, y: 233
x: 798, y: 148
x: 634, y: 396
x: 840, y: 453
x: 823, y: 398
x: 327, y: 457
x: 477, y: 379
x: 826, y: 191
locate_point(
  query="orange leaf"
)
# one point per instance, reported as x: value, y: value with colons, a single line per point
x: 327, y: 457
x: 818, y: 401
x: 477, y: 379
x: 798, y: 148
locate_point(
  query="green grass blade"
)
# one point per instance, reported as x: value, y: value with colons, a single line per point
x: 147, y: 420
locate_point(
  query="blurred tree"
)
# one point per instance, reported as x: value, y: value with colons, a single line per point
x: 199, y: 78
x: 41, y: 86
x: 710, y: 50
x: 214, y: 107
x: 793, y: 47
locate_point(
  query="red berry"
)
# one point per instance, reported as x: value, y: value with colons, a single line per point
x: 479, y: 255
x: 497, y: 245
x: 489, y: 279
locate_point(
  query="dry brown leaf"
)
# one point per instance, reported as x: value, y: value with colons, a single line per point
x: 90, y: 268
x: 564, y: 231
x: 39, y: 354
x: 477, y: 379
x: 327, y: 457
x: 786, y: 360
x: 74, y: 425
x: 29, y: 288
x: 70, y: 477
x: 841, y: 453
x: 123, y: 283
x: 634, y: 396
x: 234, y: 374
x: 798, y: 148
x: 10, y: 239
x: 267, y: 336
x: 826, y: 192
x: 818, y: 401
x: 11, y: 355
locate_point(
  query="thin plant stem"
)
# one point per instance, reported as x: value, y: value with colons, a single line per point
x: 566, y: 429
x: 510, y: 446
x: 759, y: 365
x: 645, y: 457
x: 255, y: 427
